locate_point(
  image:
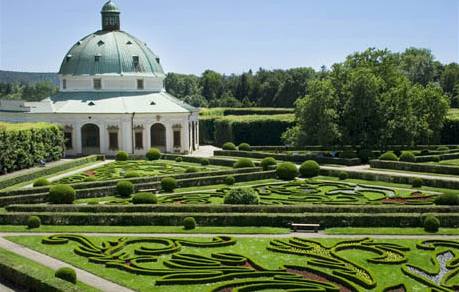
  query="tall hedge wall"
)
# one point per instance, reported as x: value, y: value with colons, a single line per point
x: 249, y: 128
x: 24, y: 145
x: 450, y: 132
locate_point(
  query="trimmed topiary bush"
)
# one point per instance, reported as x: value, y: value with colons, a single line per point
x: 287, y: 171
x: 309, y: 168
x: 131, y: 174
x: 365, y: 155
x: 447, y: 199
x: 178, y: 159
x: 204, y: 161
x: 189, y: 223
x: 168, y: 184
x: 33, y: 222
x: 41, y: 182
x: 389, y: 156
x: 431, y: 223
x: 121, y: 156
x: 417, y: 182
x: 191, y: 169
x: 61, y: 194
x: 348, y: 154
x: 242, y: 196
x: 144, y: 198
x: 268, y: 162
x: 67, y: 274
x: 244, y: 147
x: 343, y: 175
x: 407, y: 156
x: 230, y: 180
x: 124, y: 188
x: 229, y: 146
x: 153, y: 154
x: 243, y: 162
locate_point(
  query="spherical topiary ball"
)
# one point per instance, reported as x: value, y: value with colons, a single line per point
x: 243, y: 147
x: 33, y: 222
x: 204, y: 161
x: 309, y: 168
x: 67, y: 274
x: 242, y: 196
x: 287, y: 171
x: 229, y: 146
x: 407, y: 156
x: 343, y: 175
x: 168, y: 184
x: 41, y: 182
x: 189, y: 223
x: 144, y: 198
x: 178, y: 159
x: 230, y: 180
x: 431, y: 223
x: 121, y: 156
x: 417, y: 182
x: 124, y: 188
x: 267, y: 163
x: 389, y: 156
x: 153, y: 154
x: 61, y: 194
x: 243, y: 162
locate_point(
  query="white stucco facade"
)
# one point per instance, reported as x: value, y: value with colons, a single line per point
x: 112, y: 98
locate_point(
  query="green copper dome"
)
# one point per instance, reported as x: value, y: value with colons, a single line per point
x: 110, y: 7
x: 110, y: 51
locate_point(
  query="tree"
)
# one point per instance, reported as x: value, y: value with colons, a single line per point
x: 212, y: 85
x: 418, y: 65
x: 316, y: 116
x: 449, y: 78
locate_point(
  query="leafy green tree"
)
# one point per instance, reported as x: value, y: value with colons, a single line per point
x: 212, y: 85
x: 418, y: 65
x: 316, y: 116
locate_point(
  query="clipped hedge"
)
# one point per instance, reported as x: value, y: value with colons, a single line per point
x: 24, y: 145
x: 34, y: 174
x: 415, y: 167
x: 249, y: 129
x: 326, y: 220
x: 296, y: 158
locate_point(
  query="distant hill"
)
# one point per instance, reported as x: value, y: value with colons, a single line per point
x: 27, y: 77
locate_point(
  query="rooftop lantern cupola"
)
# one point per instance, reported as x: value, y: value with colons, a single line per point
x: 110, y: 17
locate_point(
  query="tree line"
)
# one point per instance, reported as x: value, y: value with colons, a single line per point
x: 376, y: 98
x: 29, y: 92
x: 281, y: 88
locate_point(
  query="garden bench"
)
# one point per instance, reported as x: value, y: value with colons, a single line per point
x: 300, y: 226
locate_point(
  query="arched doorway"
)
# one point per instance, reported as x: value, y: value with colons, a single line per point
x: 90, y: 139
x: 158, y: 136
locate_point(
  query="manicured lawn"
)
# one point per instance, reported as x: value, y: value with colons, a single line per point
x: 322, y: 190
x: 144, y: 229
x: 453, y: 162
x: 369, y: 265
x: 390, y: 231
x: 142, y: 168
x: 39, y: 272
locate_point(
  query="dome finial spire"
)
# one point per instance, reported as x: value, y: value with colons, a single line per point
x: 110, y: 16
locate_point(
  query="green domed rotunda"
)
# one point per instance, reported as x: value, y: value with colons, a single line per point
x: 112, y: 97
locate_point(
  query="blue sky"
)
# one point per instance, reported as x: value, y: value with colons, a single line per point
x: 231, y: 36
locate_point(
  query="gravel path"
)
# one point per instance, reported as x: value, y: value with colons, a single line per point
x: 204, y: 151
x: 83, y: 276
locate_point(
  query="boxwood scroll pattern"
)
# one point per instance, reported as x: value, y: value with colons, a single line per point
x: 185, y: 269
x: 323, y: 257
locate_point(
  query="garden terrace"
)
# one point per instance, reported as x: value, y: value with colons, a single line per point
x: 449, y: 167
x: 140, y: 168
x: 249, y: 264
